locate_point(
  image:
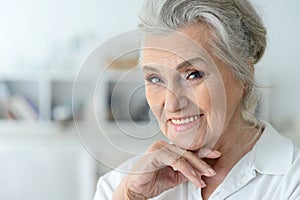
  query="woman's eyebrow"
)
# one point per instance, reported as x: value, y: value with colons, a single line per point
x: 146, y: 68
x: 188, y: 63
x: 179, y: 67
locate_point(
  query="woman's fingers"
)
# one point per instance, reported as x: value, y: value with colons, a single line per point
x: 164, y: 166
x: 163, y: 154
x: 208, y: 153
x: 191, y: 166
x: 181, y: 165
x: 195, y: 161
x: 213, y: 154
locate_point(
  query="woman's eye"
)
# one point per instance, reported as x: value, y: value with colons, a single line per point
x: 154, y: 79
x: 195, y: 75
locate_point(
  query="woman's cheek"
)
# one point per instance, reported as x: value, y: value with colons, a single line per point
x: 155, y: 99
x: 153, y: 102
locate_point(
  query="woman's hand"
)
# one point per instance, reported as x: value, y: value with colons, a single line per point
x: 164, y: 166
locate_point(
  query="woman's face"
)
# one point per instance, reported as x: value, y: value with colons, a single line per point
x: 193, y: 100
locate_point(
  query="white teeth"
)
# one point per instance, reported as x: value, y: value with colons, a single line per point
x: 184, y: 121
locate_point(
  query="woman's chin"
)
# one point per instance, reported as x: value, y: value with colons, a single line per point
x: 188, y: 142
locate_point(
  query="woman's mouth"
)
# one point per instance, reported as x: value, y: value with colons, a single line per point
x: 185, y: 123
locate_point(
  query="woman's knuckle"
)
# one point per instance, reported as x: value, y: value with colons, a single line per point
x: 157, y: 145
x: 180, y: 163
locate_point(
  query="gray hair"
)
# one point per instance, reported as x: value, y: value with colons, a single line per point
x: 239, y: 36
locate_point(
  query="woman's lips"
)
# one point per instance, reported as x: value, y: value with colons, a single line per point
x: 184, y: 123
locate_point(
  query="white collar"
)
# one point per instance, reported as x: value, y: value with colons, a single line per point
x: 273, y: 154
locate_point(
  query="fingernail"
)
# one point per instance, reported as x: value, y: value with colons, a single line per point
x: 217, y: 153
x: 211, y: 171
x: 203, y: 152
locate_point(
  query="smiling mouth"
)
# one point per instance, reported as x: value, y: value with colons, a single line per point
x: 187, y: 120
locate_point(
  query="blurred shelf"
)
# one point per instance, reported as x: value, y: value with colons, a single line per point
x: 53, y: 75
x: 48, y: 94
x: 36, y: 95
x: 23, y: 128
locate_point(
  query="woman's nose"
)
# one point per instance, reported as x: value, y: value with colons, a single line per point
x: 175, y: 100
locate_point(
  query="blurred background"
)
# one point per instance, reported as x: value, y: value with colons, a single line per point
x: 42, y: 46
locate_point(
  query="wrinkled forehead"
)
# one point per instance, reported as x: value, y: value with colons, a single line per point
x: 171, y: 49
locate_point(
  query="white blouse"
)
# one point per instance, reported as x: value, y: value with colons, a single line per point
x: 270, y: 171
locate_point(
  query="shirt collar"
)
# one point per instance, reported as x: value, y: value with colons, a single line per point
x: 273, y: 152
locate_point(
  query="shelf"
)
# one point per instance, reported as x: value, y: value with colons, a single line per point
x: 51, y: 92
x: 23, y: 128
x: 37, y: 91
x: 18, y: 76
x: 14, y: 75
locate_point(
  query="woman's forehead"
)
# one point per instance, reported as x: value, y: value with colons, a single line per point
x: 190, y: 37
x: 176, y: 46
x: 174, y: 57
x: 173, y: 44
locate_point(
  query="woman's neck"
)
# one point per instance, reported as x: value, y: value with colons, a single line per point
x: 236, y: 141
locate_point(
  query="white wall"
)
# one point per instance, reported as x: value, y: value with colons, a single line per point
x: 31, y: 30
x: 45, y: 167
x: 281, y: 65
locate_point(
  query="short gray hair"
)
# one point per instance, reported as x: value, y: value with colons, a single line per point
x: 239, y: 36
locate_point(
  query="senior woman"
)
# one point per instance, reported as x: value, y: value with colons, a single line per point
x: 198, y: 65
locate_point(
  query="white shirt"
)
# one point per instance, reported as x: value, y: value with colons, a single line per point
x: 270, y: 171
